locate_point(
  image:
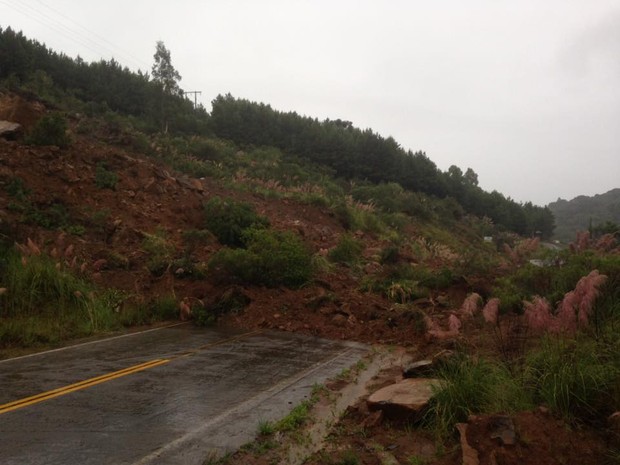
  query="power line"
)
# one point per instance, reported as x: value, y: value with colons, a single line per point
x: 112, y: 47
x: 34, y: 15
x: 70, y: 33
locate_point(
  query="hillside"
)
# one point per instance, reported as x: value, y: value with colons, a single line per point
x: 352, y: 154
x: 137, y: 226
x: 113, y: 219
x: 581, y: 213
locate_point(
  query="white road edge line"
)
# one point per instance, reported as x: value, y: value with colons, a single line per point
x: 91, y: 342
x: 248, y: 404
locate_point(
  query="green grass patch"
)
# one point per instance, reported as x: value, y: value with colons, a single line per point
x: 473, y: 386
x: 348, y: 251
x: 578, y: 379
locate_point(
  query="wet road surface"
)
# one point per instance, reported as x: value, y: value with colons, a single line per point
x: 166, y: 396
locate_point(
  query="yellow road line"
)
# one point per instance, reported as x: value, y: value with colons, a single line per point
x: 61, y: 391
x: 77, y: 386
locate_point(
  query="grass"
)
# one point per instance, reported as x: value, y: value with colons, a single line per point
x: 265, y: 428
x: 578, y: 379
x: 160, y: 251
x: 349, y: 457
x: 296, y: 417
x: 416, y: 460
x: 473, y: 386
x: 348, y: 251
x: 46, y: 303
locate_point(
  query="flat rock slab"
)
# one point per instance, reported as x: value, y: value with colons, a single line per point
x: 404, y: 399
x: 419, y: 368
x: 9, y: 129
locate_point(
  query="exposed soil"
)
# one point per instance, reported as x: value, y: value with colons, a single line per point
x: 150, y: 197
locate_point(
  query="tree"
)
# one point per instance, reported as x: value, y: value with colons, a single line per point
x: 471, y: 177
x: 167, y: 79
x: 163, y: 72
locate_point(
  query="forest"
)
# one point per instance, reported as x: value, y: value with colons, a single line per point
x: 359, y: 155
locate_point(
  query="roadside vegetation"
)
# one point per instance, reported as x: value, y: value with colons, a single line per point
x: 49, y: 299
x: 398, y: 247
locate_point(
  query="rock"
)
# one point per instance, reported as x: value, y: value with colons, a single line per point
x: 9, y: 130
x: 232, y: 300
x: 386, y: 458
x: 372, y: 420
x: 340, y: 320
x: 405, y: 399
x: 503, y: 429
x: 470, y: 455
x: 417, y: 369
x: 422, y: 302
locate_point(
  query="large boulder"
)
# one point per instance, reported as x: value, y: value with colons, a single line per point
x: 405, y: 399
x: 9, y: 130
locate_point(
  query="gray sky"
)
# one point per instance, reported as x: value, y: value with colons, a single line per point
x: 524, y: 92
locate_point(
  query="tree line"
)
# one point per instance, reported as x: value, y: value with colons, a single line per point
x: 363, y: 154
x: 103, y: 85
x: 353, y: 153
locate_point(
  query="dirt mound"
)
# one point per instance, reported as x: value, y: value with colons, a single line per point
x: 540, y: 438
x: 19, y: 110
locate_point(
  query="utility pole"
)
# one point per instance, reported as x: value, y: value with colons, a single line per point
x: 195, y: 92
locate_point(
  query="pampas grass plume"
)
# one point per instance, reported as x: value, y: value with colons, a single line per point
x: 490, y: 312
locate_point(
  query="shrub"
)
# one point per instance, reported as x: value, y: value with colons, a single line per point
x: 348, y: 250
x: 390, y: 255
x: 228, y: 220
x: 272, y: 258
x: 388, y: 197
x: 160, y: 252
x: 104, y: 178
x: 165, y: 308
x: 50, y: 130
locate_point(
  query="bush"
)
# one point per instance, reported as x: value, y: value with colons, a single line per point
x: 228, y: 220
x: 160, y: 252
x: 348, y: 250
x: 50, y: 130
x: 272, y: 258
x: 104, y: 178
x: 388, y: 197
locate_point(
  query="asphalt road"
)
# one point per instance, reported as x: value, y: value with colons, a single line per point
x: 167, y: 396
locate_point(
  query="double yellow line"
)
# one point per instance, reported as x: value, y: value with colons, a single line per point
x: 17, y: 404
x: 77, y: 386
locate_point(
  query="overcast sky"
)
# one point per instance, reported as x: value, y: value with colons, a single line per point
x: 526, y: 93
